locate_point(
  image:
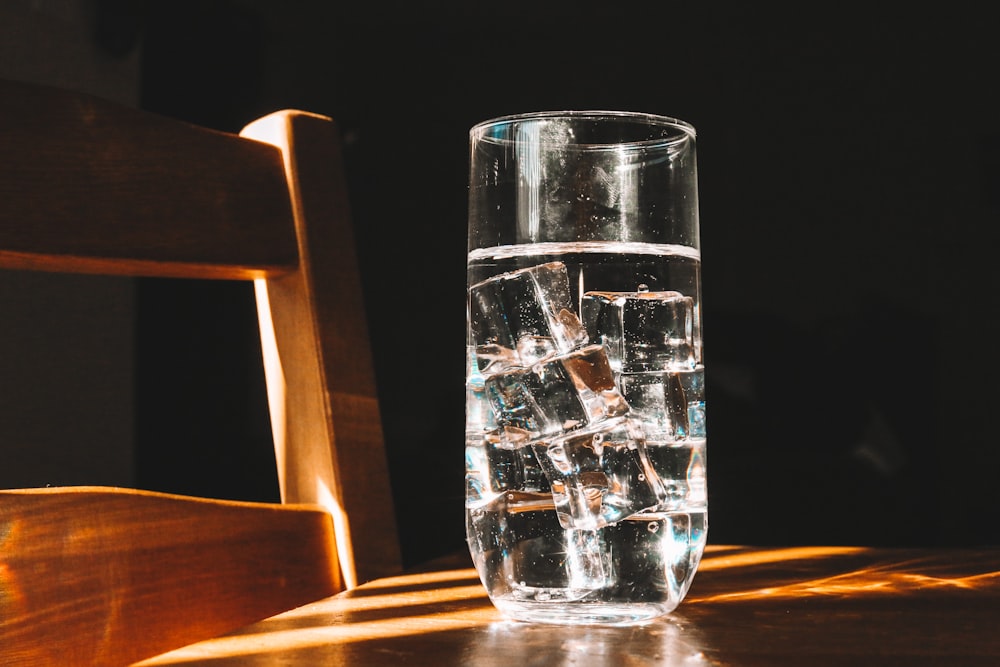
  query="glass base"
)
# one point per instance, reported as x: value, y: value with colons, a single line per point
x: 582, y: 613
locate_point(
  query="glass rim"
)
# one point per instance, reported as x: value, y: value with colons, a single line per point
x: 686, y: 131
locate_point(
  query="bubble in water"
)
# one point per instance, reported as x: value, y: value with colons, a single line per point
x: 643, y: 287
x: 653, y: 526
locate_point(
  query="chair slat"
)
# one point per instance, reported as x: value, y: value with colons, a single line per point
x: 78, y: 172
x: 106, y: 576
x: 327, y: 426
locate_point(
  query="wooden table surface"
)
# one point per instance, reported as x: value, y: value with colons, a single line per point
x: 802, y: 606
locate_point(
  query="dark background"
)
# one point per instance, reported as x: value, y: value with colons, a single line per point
x: 850, y: 195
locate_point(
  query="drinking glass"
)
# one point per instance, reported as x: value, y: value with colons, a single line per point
x: 586, y: 492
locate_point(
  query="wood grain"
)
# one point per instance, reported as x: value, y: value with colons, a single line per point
x: 824, y: 606
x: 90, y: 186
x: 105, y: 576
x: 87, y: 185
x: 327, y: 425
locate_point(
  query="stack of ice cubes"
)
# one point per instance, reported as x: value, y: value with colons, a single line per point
x: 568, y: 397
x: 650, y: 338
x: 650, y: 342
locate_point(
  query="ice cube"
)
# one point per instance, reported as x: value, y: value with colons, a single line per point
x: 478, y: 416
x: 562, y: 394
x: 671, y: 404
x: 589, y: 564
x: 522, y: 317
x: 681, y: 468
x: 490, y: 470
x: 643, y: 330
x: 599, y: 477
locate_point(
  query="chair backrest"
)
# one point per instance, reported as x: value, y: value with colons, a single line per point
x: 88, y: 186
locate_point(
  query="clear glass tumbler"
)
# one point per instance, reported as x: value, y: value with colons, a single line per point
x: 586, y: 492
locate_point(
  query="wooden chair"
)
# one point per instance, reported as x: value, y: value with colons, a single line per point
x: 103, y: 576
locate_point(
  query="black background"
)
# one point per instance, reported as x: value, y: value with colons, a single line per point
x: 850, y: 192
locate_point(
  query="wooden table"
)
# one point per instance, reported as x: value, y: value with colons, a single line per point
x: 804, y: 606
